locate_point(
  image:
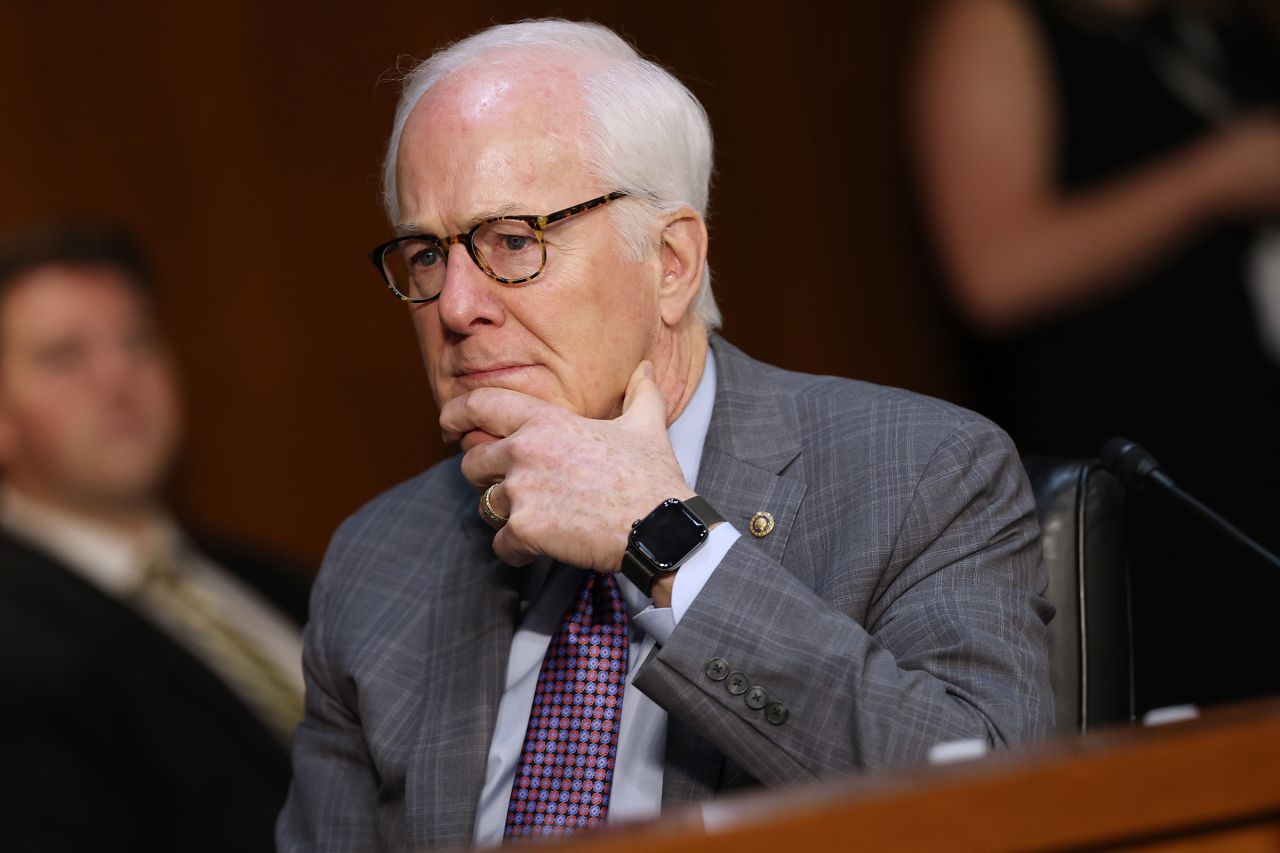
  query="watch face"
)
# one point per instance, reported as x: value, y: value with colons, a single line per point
x: 668, y: 535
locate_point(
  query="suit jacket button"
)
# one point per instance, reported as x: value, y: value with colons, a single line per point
x: 776, y: 713
x: 716, y: 669
x: 737, y: 683
x: 756, y: 698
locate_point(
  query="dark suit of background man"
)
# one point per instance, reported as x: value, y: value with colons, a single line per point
x: 147, y: 685
x: 477, y: 667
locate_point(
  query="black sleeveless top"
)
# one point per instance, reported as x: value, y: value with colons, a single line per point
x: 1173, y: 360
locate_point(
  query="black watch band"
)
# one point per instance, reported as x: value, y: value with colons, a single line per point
x: 705, y: 512
x: 680, y: 528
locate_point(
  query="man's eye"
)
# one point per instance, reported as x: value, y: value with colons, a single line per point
x: 61, y: 357
x: 516, y: 242
x: 424, y: 257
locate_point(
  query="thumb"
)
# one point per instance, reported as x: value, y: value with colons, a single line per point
x: 643, y: 398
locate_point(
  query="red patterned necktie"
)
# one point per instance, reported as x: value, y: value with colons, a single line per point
x: 565, y: 773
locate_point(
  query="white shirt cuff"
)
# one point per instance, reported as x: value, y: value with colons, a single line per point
x: 660, y: 622
x: 695, y: 573
x: 656, y: 622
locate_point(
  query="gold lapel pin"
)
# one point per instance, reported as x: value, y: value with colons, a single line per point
x: 761, y: 524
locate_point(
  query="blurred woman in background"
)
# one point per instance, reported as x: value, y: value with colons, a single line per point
x: 1102, y: 180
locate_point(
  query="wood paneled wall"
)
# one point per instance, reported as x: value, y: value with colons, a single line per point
x: 242, y: 141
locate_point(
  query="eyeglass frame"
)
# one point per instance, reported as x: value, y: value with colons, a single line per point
x: 539, y: 224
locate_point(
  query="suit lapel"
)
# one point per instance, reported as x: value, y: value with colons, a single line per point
x: 750, y: 444
x: 462, y: 689
x: 739, y: 490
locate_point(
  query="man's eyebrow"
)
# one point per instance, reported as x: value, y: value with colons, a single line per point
x: 504, y: 210
x: 404, y: 229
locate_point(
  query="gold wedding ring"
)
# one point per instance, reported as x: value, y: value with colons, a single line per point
x: 488, y: 512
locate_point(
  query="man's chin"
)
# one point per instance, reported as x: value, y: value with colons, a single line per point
x: 114, y: 497
x: 133, y: 478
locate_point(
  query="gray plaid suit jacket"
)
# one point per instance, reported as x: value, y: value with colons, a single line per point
x: 896, y: 604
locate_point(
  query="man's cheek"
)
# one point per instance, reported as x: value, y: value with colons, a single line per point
x: 442, y: 389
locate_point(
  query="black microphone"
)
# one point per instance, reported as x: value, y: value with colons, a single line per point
x: 1137, y: 469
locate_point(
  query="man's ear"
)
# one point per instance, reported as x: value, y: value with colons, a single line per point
x: 683, y: 257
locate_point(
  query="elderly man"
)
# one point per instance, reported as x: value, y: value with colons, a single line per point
x: 659, y: 569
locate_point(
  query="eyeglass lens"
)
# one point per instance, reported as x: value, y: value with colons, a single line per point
x: 505, y: 249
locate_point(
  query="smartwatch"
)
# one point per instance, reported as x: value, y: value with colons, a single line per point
x: 661, y: 541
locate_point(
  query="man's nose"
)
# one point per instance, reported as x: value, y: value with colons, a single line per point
x: 469, y: 298
x: 112, y: 369
x: 111, y: 359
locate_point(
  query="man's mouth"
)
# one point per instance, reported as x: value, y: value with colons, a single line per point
x: 473, y: 369
x: 490, y: 374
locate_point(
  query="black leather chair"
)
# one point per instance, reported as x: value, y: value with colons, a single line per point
x: 1081, y: 511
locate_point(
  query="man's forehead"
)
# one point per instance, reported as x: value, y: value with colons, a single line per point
x: 55, y: 299
x: 459, y: 187
x: 512, y: 91
x: 51, y: 287
x: 495, y: 140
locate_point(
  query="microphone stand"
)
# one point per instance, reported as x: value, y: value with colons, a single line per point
x: 1138, y: 469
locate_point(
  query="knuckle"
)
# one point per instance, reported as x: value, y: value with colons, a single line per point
x: 510, y: 546
x: 528, y: 447
x: 549, y: 419
x: 522, y: 528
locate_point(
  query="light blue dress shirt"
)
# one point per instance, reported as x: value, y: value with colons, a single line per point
x: 637, y: 779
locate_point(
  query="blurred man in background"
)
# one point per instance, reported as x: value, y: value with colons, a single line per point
x: 148, y: 686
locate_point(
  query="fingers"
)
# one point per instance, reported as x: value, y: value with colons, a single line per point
x: 475, y: 438
x: 489, y: 511
x: 643, y: 400
x: 511, y: 550
x: 507, y: 543
x: 486, y: 464
x: 495, y: 411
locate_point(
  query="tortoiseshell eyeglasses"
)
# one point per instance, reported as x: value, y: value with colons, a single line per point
x: 508, y: 249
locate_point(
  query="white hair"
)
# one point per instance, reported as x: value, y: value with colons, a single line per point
x: 646, y: 133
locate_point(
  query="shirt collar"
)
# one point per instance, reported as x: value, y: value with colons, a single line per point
x: 104, y: 556
x: 689, y: 433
